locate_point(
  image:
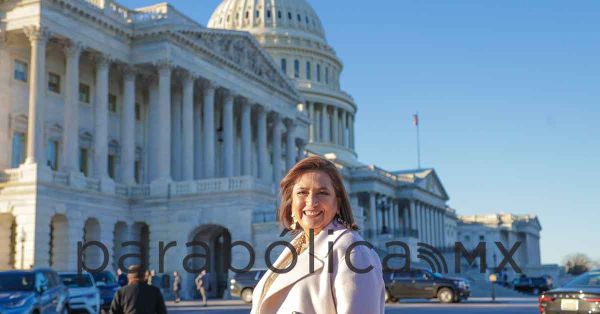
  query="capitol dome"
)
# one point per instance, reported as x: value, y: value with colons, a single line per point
x: 293, y: 17
x: 292, y: 33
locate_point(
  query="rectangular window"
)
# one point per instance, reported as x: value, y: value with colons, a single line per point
x: 20, y: 71
x: 83, y: 161
x: 138, y: 112
x: 269, y: 13
x: 54, y: 82
x: 296, y: 69
x: 284, y: 66
x: 52, y: 154
x: 112, y: 163
x: 318, y: 72
x: 18, y: 150
x: 308, y: 71
x: 257, y: 13
x: 84, y: 93
x: 279, y: 14
x: 137, y: 171
x: 327, y: 75
x: 290, y: 15
x: 112, y: 103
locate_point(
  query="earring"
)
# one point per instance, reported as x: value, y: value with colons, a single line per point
x: 340, y: 219
x: 294, y: 224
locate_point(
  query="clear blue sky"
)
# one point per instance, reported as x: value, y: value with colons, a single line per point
x: 508, y: 93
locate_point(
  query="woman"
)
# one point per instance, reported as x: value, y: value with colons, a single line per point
x: 313, y: 197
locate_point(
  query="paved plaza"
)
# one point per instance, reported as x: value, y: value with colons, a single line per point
x: 475, y: 305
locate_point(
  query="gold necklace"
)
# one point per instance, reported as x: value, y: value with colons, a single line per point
x: 301, y: 244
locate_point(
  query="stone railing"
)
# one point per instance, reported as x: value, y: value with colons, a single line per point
x: 207, y: 186
x: 378, y: 172
x: 160, y: 13
x: 219, y: 185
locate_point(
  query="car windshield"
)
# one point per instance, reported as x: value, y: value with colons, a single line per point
x: 16, y: 282
x: 591, y: 280
x: 105, y: 277
x: 77, y: 281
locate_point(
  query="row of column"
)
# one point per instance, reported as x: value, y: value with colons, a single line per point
x: 385, y: 211
x: 430, y: 221
x: 197, y: 150
x: 331, y: 125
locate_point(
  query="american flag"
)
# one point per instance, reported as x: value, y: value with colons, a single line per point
x: 415, y: 119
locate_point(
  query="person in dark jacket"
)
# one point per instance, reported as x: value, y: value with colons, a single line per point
x: 121, y: 277
x: 137, y: 297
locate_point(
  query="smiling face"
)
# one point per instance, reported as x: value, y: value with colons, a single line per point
x: 314, y: 202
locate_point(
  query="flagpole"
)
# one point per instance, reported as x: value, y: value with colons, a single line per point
x: 416, y: 122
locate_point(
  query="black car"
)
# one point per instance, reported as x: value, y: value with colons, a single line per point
x: 581, y: 295
x: 242, y: 284
x: 422, y: 283
x: 32, y: 291
x: 533, y: 285
x: 107, y: 283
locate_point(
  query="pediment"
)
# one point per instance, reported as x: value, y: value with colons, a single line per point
x: 243, y: 50
x: 430, y: 182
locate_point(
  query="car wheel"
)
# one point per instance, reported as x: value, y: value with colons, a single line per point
x: 445, y: 295
x: 247, y: 295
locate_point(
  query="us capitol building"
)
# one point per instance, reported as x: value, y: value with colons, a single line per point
x: 121, y: 124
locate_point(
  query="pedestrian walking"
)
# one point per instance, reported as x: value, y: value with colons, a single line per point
x: 201, y: 283
x: 137, y: 296
x: 176, y: 286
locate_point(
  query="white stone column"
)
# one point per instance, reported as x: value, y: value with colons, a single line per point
x: 128, y: 127
x: 290, y: 142
x: 312, y: 127
x: 351, y: 136
x: 413, y: 215
x: 373, y: 213
x: 344, y: 141
x: 246, y: 139
x: 277, y: 169
x: 187, y: 128
x: 70, y: 145
x: 209, y: 130
x: 395, y: 214
x: 262, y: 144
x: 335, y: 126
x: 318, y: 123
x: 198, y: 133
x: 176, y: 104
x: 101, y: 117
x: 327, y: 125
x: 164, y: 121
x: 301, y: 146
x: 38, y: 37
x: 228, y: 134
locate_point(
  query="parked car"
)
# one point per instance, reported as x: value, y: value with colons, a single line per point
x: 242, y: 284
x: 32, y: 291
x: 580, y: 295
x: 422, y: 283
x: 533, y: 285
x: 107, y: 283
x: 84, y: 297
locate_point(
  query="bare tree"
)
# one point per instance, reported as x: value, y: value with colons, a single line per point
x: 577, y: 263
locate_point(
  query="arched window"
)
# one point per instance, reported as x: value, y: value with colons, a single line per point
x: 278, y: 14
x: 327, y: 75
x: 290, y: 15
x: 284, y: 65
x: 299, y: 18
x: 269, y: 13
x: 308, y: 71
x: 296, y: 69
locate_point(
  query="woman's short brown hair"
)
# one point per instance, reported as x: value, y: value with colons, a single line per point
x: 314, y: 163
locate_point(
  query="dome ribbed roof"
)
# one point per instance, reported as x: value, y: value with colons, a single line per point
x: 289, y: 17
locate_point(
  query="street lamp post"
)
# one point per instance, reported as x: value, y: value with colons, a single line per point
x: 383, y: 207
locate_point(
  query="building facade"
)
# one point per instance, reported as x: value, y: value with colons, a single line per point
x: 142, y: 125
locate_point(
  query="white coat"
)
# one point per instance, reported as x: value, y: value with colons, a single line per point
x: 321, y: 292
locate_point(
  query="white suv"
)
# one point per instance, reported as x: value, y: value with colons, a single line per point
x: 84, y: 296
